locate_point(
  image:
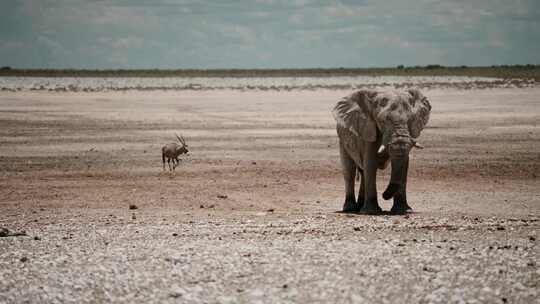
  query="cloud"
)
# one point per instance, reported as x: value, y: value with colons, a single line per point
x: 267, y: 33
x: 122, y: 42
x: 11, y: 45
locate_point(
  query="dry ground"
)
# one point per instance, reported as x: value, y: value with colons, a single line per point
x: 72, y: 163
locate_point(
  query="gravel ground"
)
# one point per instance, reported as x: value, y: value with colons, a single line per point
x: 250, y: 216
x: 269, y: 257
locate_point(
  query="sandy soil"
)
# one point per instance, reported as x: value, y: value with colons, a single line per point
x: 72, y: 163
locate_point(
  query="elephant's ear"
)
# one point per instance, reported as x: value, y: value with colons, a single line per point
x: 354, y: 114
x: 420, y: 112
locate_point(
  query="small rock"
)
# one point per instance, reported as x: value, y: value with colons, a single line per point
x: 175, y: 294
x: 253, y: 163
x: 133, y: 207
x: 175, y: 234
x: 37, y: 238
x: 201, y: 206
x: 532, y: 238
x: 270, y: 210
x: 24, y: 259
x: 222, y: 196
x: 429, y: 269
x: 356, y: 228
x: 285, y: 286
x: 4, y: 232
x: 500, y: 228
x: 133, y: 217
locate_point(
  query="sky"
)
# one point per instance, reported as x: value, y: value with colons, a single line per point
x: 205, y: 34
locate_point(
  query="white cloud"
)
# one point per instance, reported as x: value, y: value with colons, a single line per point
x: 242, y: 34
x: 11, y: 45
x: 297, y: 19
x: 53, y: 46
x: 204, y: 33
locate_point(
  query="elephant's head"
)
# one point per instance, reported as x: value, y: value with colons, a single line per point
x: 392, y: 118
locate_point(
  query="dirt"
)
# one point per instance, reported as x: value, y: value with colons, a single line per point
x: 250, y: 214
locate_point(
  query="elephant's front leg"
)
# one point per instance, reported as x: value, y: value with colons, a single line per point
x: 371, y: 205
x: 349, y: 173
x: 400, y: 205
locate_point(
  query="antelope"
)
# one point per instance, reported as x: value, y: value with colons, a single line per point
x: 172, y: 151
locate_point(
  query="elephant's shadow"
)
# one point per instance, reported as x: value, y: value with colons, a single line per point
x: 382, y: 213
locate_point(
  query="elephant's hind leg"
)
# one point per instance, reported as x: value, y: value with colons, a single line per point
x: 349, y: 173
x: 362, y: 190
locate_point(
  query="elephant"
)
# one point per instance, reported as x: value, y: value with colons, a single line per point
x: 376, y: 127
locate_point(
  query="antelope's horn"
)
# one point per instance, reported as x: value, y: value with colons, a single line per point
x: 181, y: 139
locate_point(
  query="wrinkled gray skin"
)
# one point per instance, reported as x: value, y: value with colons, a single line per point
x: 366, y: 120
x: 172, y: 151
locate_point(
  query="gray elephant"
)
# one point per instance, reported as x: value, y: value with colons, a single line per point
x: 374, y: 128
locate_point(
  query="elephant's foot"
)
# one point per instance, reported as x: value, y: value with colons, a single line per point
x: 371, y: 206
x: 350, y: 205
x: 400, y: 207
x: 391, y: 190
x: 360, y: 202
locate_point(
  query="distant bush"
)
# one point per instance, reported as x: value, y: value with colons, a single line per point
x: 525, y: 71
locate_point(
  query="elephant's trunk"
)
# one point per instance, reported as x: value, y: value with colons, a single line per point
x: 396, y: 177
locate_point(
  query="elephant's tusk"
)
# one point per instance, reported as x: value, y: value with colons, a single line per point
x: 418, y: 146
x: 381, y: 149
